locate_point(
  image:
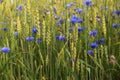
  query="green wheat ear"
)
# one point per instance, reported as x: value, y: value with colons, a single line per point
x: 18, y: 25
x: 76, y: 33
x: 73, y: 54
x: 95, y: 19
x: 104, y: 25
x: 7, y: 7
x: 43, y: 30
x: 48, y: 36
x: 11, y: 28
x: 25, y: 13
x: 78, y: 65
x: 37, y: 23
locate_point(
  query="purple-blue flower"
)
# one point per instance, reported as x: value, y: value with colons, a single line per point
x: 88, y: 3
x: 39, y: 40
x: 56, y: 16
x: 61, y: 38
x: 60, y: 22
x: 90, y: 52
x: 80, y: 29
x: 5, y: 29
x: 93, y: 33
x: 93, y: 45
x: 69, y: 5
x: 15, y: 33
x: 78, y: 10
x: 29, y: 38
x: 117, y: 12
x: 74, y: 19
x: 5, y: 49
x: 70, y: 29
x: 114, y: 25
x: 100, y: 41
x: 79, y: 20
x: 57, y: 37
x: 54, y: 9
x: 20, y: 8
x: 34, y: 30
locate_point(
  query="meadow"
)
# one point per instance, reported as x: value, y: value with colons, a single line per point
x: 60, y: 40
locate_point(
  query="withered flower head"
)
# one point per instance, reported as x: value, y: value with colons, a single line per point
x: 112, y: 59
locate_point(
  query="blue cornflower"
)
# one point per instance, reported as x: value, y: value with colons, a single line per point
x: 90, y: 52
x: 93, y: 33
x: 15, y: 33
x: 115, y: 25
x: 69, y: 5
x: 100, y: 41
x: 20, y: 8
x: 75, y: 19
x: 79, y: 20
x: 80, y: 29
x: 93, y: 45
x: 5, y: 29
x: 78, y: 10
x: 70, y: 29
x: 56, y: 16
x: 61, y: 38
x: 60, y: 22
x: 54, y: 9
x: 34, y: 30
x: 5, y: 49
x: 117, y: 12
x: 39, y: 40
x: 88, y: 3
x: 57, y: 37
x: 29, y: 38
